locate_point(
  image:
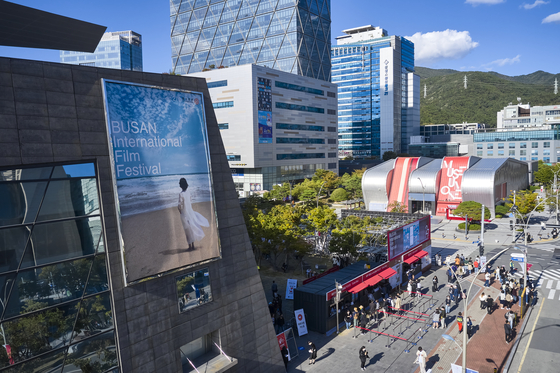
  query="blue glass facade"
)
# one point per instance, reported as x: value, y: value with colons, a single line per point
x: 288, y: 35
x: 117, y: 50
x: 356, y: 69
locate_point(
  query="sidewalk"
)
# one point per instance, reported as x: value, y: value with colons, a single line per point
x: 487, y: 348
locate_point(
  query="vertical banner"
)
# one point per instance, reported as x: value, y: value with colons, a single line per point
x: 300, y: 320
x: 264, y: 115
x: 387, y: 99
x: 290, y: 286
x: 162, y: 175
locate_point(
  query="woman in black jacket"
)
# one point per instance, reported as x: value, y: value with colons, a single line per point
x: 312, y: 353
x: 363, y: 356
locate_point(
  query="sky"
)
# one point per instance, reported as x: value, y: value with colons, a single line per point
x: 511, y: 37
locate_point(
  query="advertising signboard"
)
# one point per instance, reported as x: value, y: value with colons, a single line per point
x: 450, y: 193
x: 162, y: 176
x: 300, y: 320
x: 290, y: 286
x: 402, y: 239
x: 283, y: 343
x: 264, y: 114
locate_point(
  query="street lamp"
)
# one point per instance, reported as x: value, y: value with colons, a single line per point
x: 423, y: 196
x: 336, y: 300
x: 318, y: 194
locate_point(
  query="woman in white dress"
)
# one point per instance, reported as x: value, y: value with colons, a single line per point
x: 192, y: 220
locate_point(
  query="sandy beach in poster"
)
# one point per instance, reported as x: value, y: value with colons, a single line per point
x: 155, y: 241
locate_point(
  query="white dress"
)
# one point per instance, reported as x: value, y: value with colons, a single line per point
x: 192, y: 220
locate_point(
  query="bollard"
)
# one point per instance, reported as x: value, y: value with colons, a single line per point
x: 419, y: 336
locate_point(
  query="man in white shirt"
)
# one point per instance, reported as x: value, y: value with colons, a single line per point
x: 422, y: 357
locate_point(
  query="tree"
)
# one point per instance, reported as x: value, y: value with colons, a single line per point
x: 472, y: 209
x: 353, y: 183
x: 545, y: 174
x: 389, y: 155
x: 319, y: 221
x: 339, y: 195
x: 396, y: 206
x: 525, y: 202
x: 328, y: 179
x: 343, y: 242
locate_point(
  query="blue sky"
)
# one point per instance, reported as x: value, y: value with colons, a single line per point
x: 512, y: 37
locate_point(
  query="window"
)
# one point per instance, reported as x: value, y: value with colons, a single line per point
x: 331, y: 94
x: 523, y: 152
x: 489, y: 146
x: 295, y: 87
x: 534, y: 152
x: 193, y: 289
x: 546, y: 144
x: 546, y: 159
x: 534, y: 158
x: 500, y: 152
x: 479, y: 153
x: 512, y: 153
x: 299, y: 127
x: 500, y: 145
x: 534, y: 145
x: 512, y: 145
x: 223, y: 126
x: 523, y: 145
x: 522, y: 159
x: 283, y: 105
x: 55, y: 262
x: 546, y: 152
x: 220, y: 105
x: 490, y: 153
x: 479, y: 146
x: 331, y: 111
x: 331, y: 166
x: 332, y: 141
x: 295, y: 140
x: 233, y: 158
x: 332, y: 155
x: 300, y: 156
x: 331, y: 129
x: 219, y: 83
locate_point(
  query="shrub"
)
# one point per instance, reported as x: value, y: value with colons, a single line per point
x: 339, y: 195
x: 502, y: 210
x: 472, y: 227
x: 498, y: 216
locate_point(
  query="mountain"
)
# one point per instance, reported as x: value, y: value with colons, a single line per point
x: 447, y: 100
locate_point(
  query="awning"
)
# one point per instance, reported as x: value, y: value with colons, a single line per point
x: 420, y: 254
x: 358, y: 288
x: 411, y: 260
x: 388, y: 273
x: 369, y: 282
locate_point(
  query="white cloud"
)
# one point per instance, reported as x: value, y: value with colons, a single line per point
x: 553, y: 18
x: 439, y: 45
x: 503, y: 62
x: 535, y: 4
x: 488, y: 2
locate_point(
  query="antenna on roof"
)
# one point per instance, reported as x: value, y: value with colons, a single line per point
x: 424, y: 90
x: 556, y: 86
x: 465, y: 80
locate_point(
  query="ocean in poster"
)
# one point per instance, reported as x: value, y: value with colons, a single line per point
x: 140, y: 195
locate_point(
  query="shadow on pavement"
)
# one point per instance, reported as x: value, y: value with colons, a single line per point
x: 325, y: 354
x: 432, y: 361
x: 375, y: 358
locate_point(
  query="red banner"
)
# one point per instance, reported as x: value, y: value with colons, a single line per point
x: 451, y: 179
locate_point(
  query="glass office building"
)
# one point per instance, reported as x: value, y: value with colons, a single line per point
x: 288, y: 35
x: 55, y: 307
x: 378, y: 93
x: 117, y: 50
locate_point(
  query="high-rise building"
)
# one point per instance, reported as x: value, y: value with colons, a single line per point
x: 524, y: 117
x: 288, y: 35
x: 117, y: 50
x: 276, y: 127
x: 378, y: 92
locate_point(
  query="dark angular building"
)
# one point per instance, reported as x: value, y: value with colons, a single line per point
x: 64, y: 303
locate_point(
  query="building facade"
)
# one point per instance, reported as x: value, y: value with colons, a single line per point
x: 117, y: 50
x: 379, y: 94
x: 523, y: 116
x: 288, y: 35
x: 64, y: 303
x: 276, y: 127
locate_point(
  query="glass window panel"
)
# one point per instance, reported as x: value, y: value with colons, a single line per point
x: 193, y: 289
x: 40, y: 332
x: 51, y: 363
x: 95, y: 317
x: 42, y: 287
x: 96, y: 355
x: 25, y: 174
x: 12, y: 244
x: 20, y: 201
x: 186, y: 5
x: 200, y: 3
x: 75, y: 170
x: 62, y: 240
x: 69, y: 198
x: 98, y: 277
x: 6, y: 282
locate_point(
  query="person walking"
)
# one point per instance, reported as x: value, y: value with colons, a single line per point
x: 363, y: 322
x: 507, y: 330
x: 489, y: 305
x: 312, y: 352
x: 469, y: 327
x: 447, y: 304
x: 502, y: 299
x: 487, y: 277
x: 421, y: 358
x: 363, y: 357
x: 274, y: 289
x: 483, y: 298
x: 435, y: 319
x: 442, y: 317
x: 285, y: 356
x: 451, y: 292
x: 456, y: 294
x: 435, y: 284
x: 460, y: 322
x: 348, y: 319
x: 279, y: 324
x: 356, y: 317
x: 476, y: 265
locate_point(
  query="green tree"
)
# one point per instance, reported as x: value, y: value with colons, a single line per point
x: 397, y: 206
x: 525, y: 202
x: 339, y: 195
x: 328, y: 179
x: 545, y: 173
x: 389, y: 155
x: 353, y: 183
x: 343, y: 241
x: 472, y: 209
x: 319, y: 221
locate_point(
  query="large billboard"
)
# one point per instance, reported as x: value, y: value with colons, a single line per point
x: 450, y: 193
x: 264, y: 114
x: 161, y: 168
x: 402, y: 239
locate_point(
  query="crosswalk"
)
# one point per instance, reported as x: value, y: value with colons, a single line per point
x: 547, y: 274
x: 545, y: 247
x: 548, y: 282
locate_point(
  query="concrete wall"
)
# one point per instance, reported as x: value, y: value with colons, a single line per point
x: 53, y: 112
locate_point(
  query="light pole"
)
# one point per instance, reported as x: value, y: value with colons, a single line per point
x: 423, y: 196
x: 556, y: 188
x: 318, y: 194
x: 336, y: 300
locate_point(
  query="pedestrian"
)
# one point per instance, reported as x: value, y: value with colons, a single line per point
x: 482, y: 298
x: 502, y: 299
x: 509, y: 301
x: 510, y: 317
x: 487, y: 277
x: 438, y: 259
x: 312, y: 352
x: 409, y: 288
x: 442, y: 317
x: 447, y: 304
x: 475, y: 265
x: 398, y: 303
x: 348, y: 319
x: 285, y: 356
x: 280, y: 324
x: 507, y: 330
x: 363, y: 357
x: 435, y: 319
x: 363, y: 322
x: 469, y: 327
x: 449, y: 276
x: 511, y: 266
x: 435, y: 284
x: 421, y: 359
x: 356, y: 317
x: 451, y: 292
x: 456, y: 294
x: 489, y: 304
x: 274, y: 289
x: 460, y: 322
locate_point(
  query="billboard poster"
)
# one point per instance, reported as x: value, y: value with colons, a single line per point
x: 162, y: 174
x: 408, y: 237
x: 300, y: 321
x: 290, y: 286
x: 265, y: 127
x: 450, y: 193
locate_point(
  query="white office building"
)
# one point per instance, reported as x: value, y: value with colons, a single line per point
x: 276, y: 126
x: 523, y: 116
